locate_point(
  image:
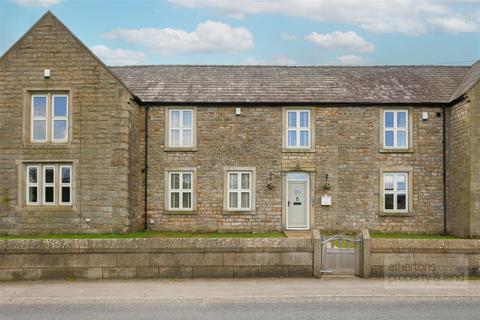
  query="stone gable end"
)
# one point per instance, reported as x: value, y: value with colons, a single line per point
x: 104, y: 122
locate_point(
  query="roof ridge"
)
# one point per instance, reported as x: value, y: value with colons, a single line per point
x: 287, y: 66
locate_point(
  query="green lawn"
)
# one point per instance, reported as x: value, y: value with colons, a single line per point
x: 150, y: 234
x: 411, y: 236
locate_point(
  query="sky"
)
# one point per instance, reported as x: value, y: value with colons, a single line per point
x: 266, y: 32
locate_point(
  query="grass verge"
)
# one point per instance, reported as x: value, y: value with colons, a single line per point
x: 149, y: 234
x: 411, y: 236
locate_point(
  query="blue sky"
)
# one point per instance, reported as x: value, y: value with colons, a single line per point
x: 285, y: 32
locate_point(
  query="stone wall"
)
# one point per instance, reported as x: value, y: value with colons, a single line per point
x: 442, y: 257
x: 155, y: 258
x: 347, y: 147
x: 103, y: 136
x: 463, y: 166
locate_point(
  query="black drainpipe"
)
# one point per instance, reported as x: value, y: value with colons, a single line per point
x: 444, y: 170
x: 145, y: 171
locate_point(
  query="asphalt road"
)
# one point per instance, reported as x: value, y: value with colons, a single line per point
x: 261, y: 308
x: 237, y: 299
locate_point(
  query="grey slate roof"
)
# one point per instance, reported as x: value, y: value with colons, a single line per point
x: 275, y: 84
x: 470, y: 78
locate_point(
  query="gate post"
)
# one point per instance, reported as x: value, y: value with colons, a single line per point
x: 366, y: 253
x: 317, y: 253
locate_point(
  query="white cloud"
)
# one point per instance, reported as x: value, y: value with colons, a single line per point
x: 352, y: 60
x: 348, y: 41
x: 279, y: 61
x: 454, y: 25
x: 117, y: 56
x: 36, y: 3
x: 288, y: 36
x: 411, y: 17
x: 209, y: 36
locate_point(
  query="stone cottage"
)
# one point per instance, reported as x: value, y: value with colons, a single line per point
x: 87, y: 148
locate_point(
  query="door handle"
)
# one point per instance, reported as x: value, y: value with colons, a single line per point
x: 288, y: 203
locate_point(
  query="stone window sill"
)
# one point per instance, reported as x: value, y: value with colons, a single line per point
x: 287, y: 150
x: 46, y: 145
x: 238, y: 213
x: 66, y: 209
x: 396, y: 214
x: 170, y: 149
x: 180, y: 213
x: 396, y: 150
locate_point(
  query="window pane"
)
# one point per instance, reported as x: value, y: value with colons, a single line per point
x: 66, y: 194
x: 233, y: 200
x: 175, y: 181
x: 32, y: 194
x: 175, y: 137
x: 187, y: 181
x: 292, y: 119
x: 401, y: 202
x: 389, y: 119
x: 187, y: 137
x: 39, y: 106
x: 304, y: 138
x: 49, y: 198
x: 401, y: 139
x: 60, y: 106
x: 187, y: 200
x: 65, y: 175
x: 59, y: 129
x: 388, y: 181
x: 389, y: 138
x: 292, y: 138
x: 32, y: 175
x: 187, y: 118
x: 233, y: 181
x: 304, y: 119
x: 175, y: 200
x: 401, y: 182
x: 39, y: 129
x: 389, y: 202
x: 245, y: 181
x: 401, y: 119
x: 49, y: 175
x: 175, y: 118
x: 245, y: 199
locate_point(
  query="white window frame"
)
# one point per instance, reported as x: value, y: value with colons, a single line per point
x: 49, y: 184
x: 63, y: 184
x: 31, y: 184
x: 396, y: 192
x: 181, y: 191
x: 396, y: 129
x: 42, y: 118
x: 239, y: 190
x: 54, y: 118
x: 298, y: 129
x: 181, y: 128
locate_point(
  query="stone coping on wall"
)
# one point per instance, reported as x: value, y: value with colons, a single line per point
x: 425, y: 245
x: 156, y: 245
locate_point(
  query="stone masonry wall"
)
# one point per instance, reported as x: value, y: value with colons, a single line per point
x: 102, y: 129
x: 346, y: 147
x: 459, y: 169
x: 155, y: 258
x: 436, y: 259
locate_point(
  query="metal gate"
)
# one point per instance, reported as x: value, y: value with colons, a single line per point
x: 341, y: 255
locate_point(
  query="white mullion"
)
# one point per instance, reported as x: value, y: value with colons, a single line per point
x: 180, y: 125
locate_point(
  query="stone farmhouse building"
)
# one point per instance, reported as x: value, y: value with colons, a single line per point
x: 86, y: 148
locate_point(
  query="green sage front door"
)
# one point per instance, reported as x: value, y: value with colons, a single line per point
x: 297, y: 205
